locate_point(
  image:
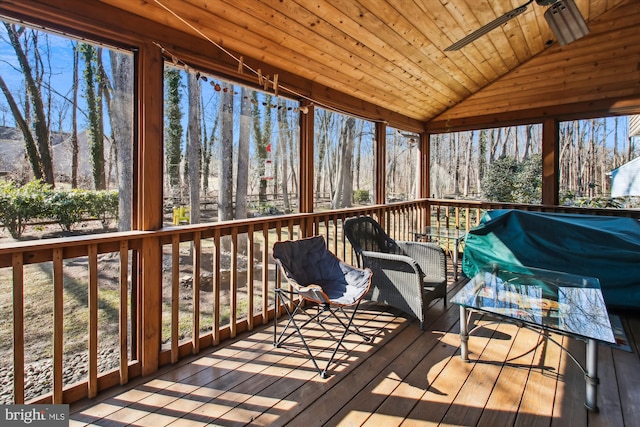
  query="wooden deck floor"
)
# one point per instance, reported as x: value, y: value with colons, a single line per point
x: 404, y: 377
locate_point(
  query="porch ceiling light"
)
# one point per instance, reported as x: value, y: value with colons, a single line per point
x: 566, y: 22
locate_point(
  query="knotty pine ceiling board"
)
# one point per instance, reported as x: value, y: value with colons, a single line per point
x: 386, y: 52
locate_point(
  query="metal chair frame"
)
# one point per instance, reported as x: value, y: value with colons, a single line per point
x: 296, y: 300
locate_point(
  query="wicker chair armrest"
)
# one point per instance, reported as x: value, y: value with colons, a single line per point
x: 393, y: 262
x: 430, y: 257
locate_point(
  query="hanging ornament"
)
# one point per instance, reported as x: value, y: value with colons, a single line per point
x: 268, y: 166
x: 268, y: 170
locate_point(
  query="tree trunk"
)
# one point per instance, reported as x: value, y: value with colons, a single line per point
x: 74, y: 119
x: 262, y: 134
x: 467, y: 165
x: 173, y: 130
x: 482, y: 157
x: 193, y: 148
x: 40, y: 124
x: 283, y: 126
x: 456, y: 165
x: 343, y: 195
x: 225, y: 188
x: 121, y: 113
x: 242, y: 177
x: 96, y: 139
x: 323, y: 129
x: 30, y: 144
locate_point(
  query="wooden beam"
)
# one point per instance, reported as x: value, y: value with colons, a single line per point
x: 424, y: 175
x: 561, y: 112
x: 550, y: 162
x: 149, y: 82
x: 306, y: 149
x: 380, y: 163
x: 424, y: 163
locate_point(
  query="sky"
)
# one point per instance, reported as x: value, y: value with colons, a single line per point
x: 59, y: 69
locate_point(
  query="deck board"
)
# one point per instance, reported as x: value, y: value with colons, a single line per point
x: 403, y: 377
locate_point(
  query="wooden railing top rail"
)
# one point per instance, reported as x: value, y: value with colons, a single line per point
x: 74, y: 246
x: 633, y: 213
x: 37, y: 250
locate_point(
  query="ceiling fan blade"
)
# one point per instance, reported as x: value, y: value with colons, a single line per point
x: 488, y: 27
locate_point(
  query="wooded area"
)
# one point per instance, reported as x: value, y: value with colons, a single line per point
x: 463, y: 163
x: 245, y: 141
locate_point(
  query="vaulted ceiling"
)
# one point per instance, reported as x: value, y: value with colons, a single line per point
x: 390, y: 53
x: 386, y: 59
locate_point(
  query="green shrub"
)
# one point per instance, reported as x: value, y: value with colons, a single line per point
x: 67, y: 207
x: 35, y: 200
x: 361, y: 196
x: 508, y: 180
x: 19, y: 205
x: 103, y: 205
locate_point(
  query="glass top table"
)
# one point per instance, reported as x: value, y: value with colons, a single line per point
x: 542, y: 300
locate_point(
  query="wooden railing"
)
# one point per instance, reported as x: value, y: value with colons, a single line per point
x: 217, y: 282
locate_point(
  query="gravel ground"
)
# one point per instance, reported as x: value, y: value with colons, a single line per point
x: 39, y: 375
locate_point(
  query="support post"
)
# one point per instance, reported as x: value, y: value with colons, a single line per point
x: 149, y: 168
x: 550, y: 162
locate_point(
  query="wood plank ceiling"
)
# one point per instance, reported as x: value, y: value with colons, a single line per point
x: 386, y: 52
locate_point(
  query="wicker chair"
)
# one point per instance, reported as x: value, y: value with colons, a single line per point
x: 406, y: 275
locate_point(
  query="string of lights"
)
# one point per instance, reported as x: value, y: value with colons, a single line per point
x: 265, y: 81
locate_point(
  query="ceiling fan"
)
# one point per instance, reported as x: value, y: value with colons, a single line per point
x: 563, y: 17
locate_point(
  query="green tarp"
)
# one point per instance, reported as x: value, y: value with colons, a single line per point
x: 591, y: 245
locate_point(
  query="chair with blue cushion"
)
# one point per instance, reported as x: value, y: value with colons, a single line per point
x: 318, y: 279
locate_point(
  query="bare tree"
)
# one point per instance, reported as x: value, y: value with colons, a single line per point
x: 262, y: 135
x: 37, y: 144
x: 94, y: 106
x: 74, y: 117
x: 466, y: 187
x: 121, y: 114
x: 343, y: 194
x: 324, y: 119
x: 242, y: 176
x: 193, y: 147
x: 225, y: 191
x: 173, y: 127
x: 283, y: 130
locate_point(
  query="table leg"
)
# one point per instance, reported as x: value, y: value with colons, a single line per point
x: 591, y: 376
x: 456, y: 243
x: 464, y: 335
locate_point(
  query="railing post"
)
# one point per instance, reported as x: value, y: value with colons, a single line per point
x: 150, y: 304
